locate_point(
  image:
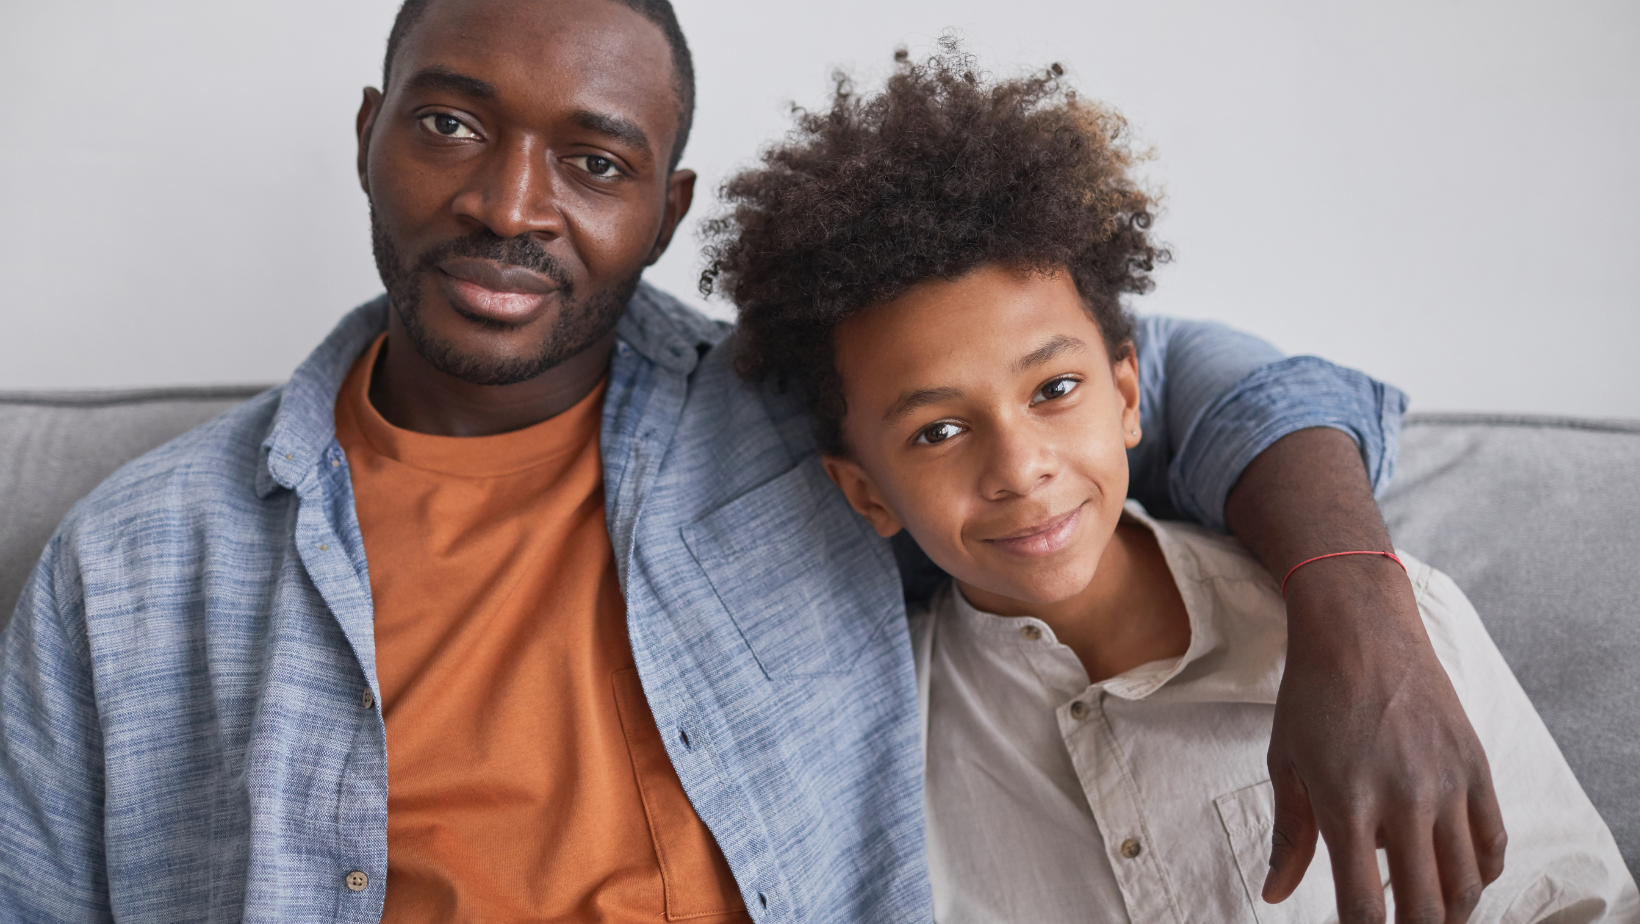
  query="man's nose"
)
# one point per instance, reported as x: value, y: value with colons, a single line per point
x: 515, y: 191
x: 1018, y: 463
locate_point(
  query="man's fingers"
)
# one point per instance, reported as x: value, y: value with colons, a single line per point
x: 1356, y: 879
x: 1413, y: 873
x: 1292, y: 839
x: 1460, y: 877
x: 1486, y: 827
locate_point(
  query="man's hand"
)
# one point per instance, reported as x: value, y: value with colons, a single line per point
x: 1371, y: 747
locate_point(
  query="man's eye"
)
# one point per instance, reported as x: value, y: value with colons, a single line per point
x: 442, y: 123
x: 1058, y: 388
x: 938, y: 433
x: 596, y: 165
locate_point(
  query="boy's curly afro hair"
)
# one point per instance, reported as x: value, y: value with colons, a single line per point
x: 942, y: 172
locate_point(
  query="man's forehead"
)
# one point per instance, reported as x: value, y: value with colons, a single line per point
x: 563, y: 47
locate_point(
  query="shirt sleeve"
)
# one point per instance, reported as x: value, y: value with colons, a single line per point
x: 1213, y: 398
x: 51, y: 781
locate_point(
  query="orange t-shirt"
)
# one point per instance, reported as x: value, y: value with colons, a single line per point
x: 526, y: 778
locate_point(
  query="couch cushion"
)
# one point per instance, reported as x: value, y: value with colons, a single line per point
x: 1538, y: 520
x: 56, y: 447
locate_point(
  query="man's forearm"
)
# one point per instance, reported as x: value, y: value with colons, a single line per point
x: 1307, y: 495
x: 1370, y: 746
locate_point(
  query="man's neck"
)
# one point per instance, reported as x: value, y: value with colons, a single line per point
x: 413, y: 395
x: 1129, y: 614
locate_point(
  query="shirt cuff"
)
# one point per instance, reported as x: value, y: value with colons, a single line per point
x: 1270, y: 402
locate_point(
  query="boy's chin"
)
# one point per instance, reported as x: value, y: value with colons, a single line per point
x: 1030, y: 590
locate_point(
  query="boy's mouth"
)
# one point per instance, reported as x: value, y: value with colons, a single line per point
x: 1042, y: 538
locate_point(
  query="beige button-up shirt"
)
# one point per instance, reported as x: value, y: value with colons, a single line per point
x: 1146, y: 797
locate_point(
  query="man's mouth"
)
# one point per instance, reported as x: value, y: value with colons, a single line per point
x: 498, y: 293
x: 1043, y: 537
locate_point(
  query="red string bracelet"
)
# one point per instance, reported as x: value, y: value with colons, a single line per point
x: 1389, y: 555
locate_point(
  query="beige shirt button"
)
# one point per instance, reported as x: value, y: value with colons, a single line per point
x: 1031, y: 633
x: 1079, y: 710
x: 1132, y: 848
x: 369, y: 699
x: 357, y: 881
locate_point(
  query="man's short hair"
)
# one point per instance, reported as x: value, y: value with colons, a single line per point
x: 658, y: 12
x: 944, y: 171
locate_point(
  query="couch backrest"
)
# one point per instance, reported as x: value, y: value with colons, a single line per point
x: 56, y: 447
x: 1537, y: 519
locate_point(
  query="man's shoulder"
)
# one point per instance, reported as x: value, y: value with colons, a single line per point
x: 664, y: 328
x: 211, y: 467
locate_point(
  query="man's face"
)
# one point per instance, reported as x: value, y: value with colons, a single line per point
x: 517, y: 170
x: 986, y: 416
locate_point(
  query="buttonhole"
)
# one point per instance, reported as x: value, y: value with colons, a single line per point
x: 684, y: 737
x: 763, y: 899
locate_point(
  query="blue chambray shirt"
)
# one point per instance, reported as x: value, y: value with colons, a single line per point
x: 184, y: 734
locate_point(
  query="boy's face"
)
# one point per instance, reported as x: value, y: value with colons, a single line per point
x: 986, y: 417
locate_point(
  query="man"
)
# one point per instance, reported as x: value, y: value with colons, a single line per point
x: 529, y: 610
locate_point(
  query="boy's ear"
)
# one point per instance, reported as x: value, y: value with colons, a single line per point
x: 1125, y: 372
x: 862, y: 494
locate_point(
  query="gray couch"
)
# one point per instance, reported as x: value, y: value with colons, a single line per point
x: 1538, y: 520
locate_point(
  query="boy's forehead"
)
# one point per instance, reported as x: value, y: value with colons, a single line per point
x: 992, y: 321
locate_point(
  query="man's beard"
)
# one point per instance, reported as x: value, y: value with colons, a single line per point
x: 579, y: 324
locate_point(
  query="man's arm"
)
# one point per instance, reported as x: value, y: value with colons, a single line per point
x: 50, y: 758
x: 1370, y: 745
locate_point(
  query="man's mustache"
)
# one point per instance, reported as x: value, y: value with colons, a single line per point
x: 523, y: 251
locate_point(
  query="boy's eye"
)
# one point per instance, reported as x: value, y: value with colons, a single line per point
x: 1058, y: 388
x: 938, y: 433
x: 596, y: 165
x: 442, y: 123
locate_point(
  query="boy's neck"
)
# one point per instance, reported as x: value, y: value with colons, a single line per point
x: 1129, y: 614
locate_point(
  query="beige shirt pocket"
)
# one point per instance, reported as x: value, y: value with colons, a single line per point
x: 1248, y: 815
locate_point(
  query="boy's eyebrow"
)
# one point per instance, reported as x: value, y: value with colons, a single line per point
x: 439, y: 77
x: 1059, y: 344
x: 912, y: 400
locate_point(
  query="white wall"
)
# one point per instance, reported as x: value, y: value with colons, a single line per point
x: 1443, y: 192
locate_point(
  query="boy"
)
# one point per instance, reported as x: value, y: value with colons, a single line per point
x: 1097, y: 686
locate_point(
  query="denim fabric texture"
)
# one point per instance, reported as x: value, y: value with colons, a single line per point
x: 184, y: 734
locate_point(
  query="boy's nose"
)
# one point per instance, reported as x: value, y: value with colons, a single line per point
x: 1018, y: 466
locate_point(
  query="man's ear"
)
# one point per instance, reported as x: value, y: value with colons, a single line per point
x: 1125, y: 373
x: 362, y: 123
x: 680, y: 193
x: 862, y: 494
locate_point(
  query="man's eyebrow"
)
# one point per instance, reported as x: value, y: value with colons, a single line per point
x: 621, y: 129
x: 911, y: 401
x: 438, y: 77
x: 1059, y: 344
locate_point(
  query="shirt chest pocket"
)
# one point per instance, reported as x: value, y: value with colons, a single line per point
x: 806, y: 581
x: 1249, y: 816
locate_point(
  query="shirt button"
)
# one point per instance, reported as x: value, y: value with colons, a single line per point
x: 1079, y: 710
x: 357, y: 881
x: 1132, y: 848
x: 1031, y: 633
x: 369, y: 699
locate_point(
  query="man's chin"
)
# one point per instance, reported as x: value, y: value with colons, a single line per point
x: 481, y: 351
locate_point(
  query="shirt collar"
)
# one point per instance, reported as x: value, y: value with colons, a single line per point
x: 1237, y: 626
x: 655, y: 325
